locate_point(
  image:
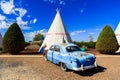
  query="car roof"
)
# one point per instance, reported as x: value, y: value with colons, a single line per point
x: 65, y: 44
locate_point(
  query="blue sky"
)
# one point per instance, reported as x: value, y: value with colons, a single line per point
x: 81, y: 17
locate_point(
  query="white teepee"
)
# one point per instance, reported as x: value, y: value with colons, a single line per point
x: 117, y: 33
x: 0, y: 40
x: 57, y: 33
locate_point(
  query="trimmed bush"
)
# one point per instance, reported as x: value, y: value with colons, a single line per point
x: 80, y: 44
x: 86, y: 44
x: 13, y: 40
x: 107, y: 42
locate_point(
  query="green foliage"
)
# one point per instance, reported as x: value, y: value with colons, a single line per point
x: 38, y: 37
x: 40, y: 43
x: 13, y: 40
x: 107, y: 42
x: 86, y: 44
x: 90, y: 44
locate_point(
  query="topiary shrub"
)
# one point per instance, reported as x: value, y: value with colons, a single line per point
x: 13, y: 40
x: 107, y: 42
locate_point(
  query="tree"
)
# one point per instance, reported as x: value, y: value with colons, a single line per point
x: 38, y: 37
x: 91, y: 38
x: 13, y: 40
x: 107, y: 42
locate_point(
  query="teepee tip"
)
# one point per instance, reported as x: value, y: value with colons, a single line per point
x: 58, y: 10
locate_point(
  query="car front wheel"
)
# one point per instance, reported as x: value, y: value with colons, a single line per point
x: 63, y: 67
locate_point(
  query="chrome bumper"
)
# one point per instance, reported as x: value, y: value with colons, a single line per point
x: 85, y: 68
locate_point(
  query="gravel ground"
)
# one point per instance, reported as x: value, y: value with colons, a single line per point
x: 35, y: 68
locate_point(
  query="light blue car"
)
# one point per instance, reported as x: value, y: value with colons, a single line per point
x: 69, y: 56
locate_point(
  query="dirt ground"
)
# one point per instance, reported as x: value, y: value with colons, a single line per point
x: 30, y: 65
x: 35, y: 68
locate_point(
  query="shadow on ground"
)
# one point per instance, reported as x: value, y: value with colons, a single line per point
x: 10, y: 64
x: 91, y: 72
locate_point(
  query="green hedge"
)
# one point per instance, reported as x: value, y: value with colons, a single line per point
x: 13, y: 41
x: 86, y: 44
x: 107, y: 42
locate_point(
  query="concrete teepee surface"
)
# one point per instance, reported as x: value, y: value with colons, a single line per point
x: 117, y: 33
x: 57, y: 33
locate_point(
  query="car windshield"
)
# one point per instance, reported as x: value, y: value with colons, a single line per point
x: 72, y: 48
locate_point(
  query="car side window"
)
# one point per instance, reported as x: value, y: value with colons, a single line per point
x: 52, y: 48
x: 68, y: 49
x: 57, y: 48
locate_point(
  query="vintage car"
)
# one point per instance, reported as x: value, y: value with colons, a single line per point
x: 70, y: 56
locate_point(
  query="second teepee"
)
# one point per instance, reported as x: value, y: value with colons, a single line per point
x: 117, y: 33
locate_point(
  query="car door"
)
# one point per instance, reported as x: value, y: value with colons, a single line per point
x: 50, y: 53
x: 56, y: 55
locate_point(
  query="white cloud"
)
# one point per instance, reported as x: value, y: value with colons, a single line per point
x: 7, y: 7
x: 98, y: 29
x: 20, y: 21
x: 28, y: 16
x: 82, y: 10
x: 35, y: 20
x: 51, y: 1
x: 21, y: 11
x: 91, y: 33
x: 25, y: 27
x: 30, y: 35
x: 4, y: 24
x: 61, y: 2
x: 31, y: 21
x: 22, y: 24
x: 77, y: 32
x: 2, y: 17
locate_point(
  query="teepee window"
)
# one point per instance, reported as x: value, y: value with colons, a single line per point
x: 57, y: 48
x: 52, y: 48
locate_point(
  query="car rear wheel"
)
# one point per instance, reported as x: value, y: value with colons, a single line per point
x: 63, y: 66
